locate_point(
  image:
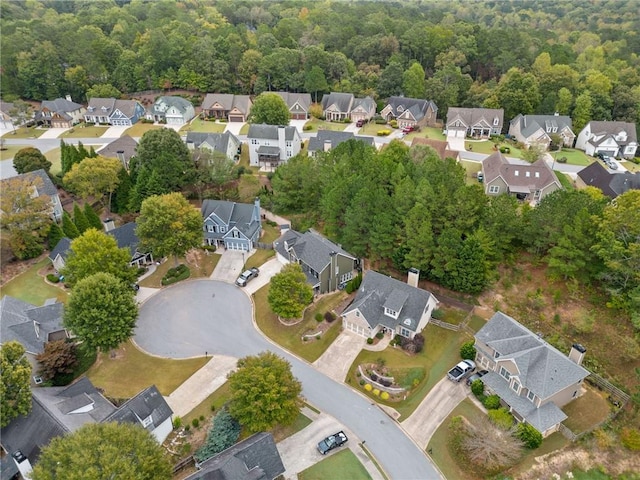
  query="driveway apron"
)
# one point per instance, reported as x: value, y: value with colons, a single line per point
x: 338, y: 358
x: 229, y: 266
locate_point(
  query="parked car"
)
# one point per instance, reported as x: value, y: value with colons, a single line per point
x: 332, y: 441
x: 600, y: 155
x: 476, y: 376
x: 480, y: 177
x: 360, y: 123
x: 611, y: 163
x: 408, y: 129
x: 247, y: 275
x: 461, y: 370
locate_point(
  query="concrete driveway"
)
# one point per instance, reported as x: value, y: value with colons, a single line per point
x: 53, y: 132
x: 267, y: 270
x: 229, y: 266
x: 434, y: 408
x: 234, y: 127
x: 114, y: 132
x: 456, y: 143
x: 338, y: 358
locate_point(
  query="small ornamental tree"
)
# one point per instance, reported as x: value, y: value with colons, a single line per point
x: 68, y: 227
x: 468, y: 351
x: 15, y: 391
x: 55, y: 235
x: 223, y: 434
x: 30, y: 159
x: 531, y: 437
x: 58, y: 358
x: 289, y: 292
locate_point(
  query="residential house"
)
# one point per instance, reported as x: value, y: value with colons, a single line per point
x: 41, y: 184
x: 254, y: 458
x: 114, y: 112
x: 342, y: 106
x: 528, y: 182
x: 59, y: 113
x: 57, y: 411
x: 384, y: 304
x: 474, y: 122
x: 533, y: 379
x: 235, y: 226
x: 226, y: 143
x: 125, y: 237
x: 537, y: 129
x: 298, y: 103
x: 410, y: 112
x: 272, y: 145
x: 226, y: 106
x: 326, y: 265
x: 441, y: 147
x: 6, y: 114
x: 611, y: 184
x: 172, y: 110
x: 123, y: 148
x: 326, y: 140
x: 615, y: 139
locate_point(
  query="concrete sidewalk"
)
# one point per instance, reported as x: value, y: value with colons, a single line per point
x: 201, y: 384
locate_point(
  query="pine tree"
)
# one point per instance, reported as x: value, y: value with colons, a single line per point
x: 68, y: 227
x: 92, y: 217
x: 55, y: 235
x: 79, y: 219
x: 120, y: 200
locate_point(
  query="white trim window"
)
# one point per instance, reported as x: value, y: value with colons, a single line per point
x: 494, y: 189
x: 515, y: 386
x: 390, y: 313
x: 404, y: 332
x: 504, y: 373
x: 346, y: 277
x: 531, y: 396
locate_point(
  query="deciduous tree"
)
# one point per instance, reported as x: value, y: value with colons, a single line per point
x: 118, y: 451
x: 59, y: 358
x: 30, y: 159
x: 315, y: 82
x: 101, y: 311
x: 94, y: 177
x: 15, y: 391
x: 271, y: 109
x: 289, y: 292
x: 413, y: 81
x: 264, y: 392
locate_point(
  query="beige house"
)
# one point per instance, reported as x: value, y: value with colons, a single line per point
x: 226, y: 106
x: 474, y: 122
x: 337, y: 106
x: 537, y: 129
x: 533, y: 379
x: 409, y: 112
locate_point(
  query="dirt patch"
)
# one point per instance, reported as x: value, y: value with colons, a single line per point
x: 12, y: 269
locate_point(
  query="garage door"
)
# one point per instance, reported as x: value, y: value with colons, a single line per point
x: 299, y: 116
x: 236, y: 246
x: 355, y: 328
x: 236, y: 118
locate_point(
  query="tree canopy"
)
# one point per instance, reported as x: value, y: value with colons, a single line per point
x: 289, y: 292
x: 118, y: 451
x: 15, y: 388
x: 264, y: 392
x: 30, y: 159
x: 269, y: 108
x: 94, y: 177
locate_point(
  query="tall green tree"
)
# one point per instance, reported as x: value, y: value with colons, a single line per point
x: 565, y: 101
x: 582, y: 111
x: 223, y: 434
x: 264, y: 392
x: 122, y: 194
x: 101, y: 311
x: 92, y: 217
x: 95, y: 177
x: 271, y: 109
x: 15, y: 390
x: 68, y: 227
x: 413, y: 81
x: 518, y: 93
x: 54, y: 236
x: 104, y: 90
x: 81, y: 222
x: 117, y: 451
x: 289, y: 292
x: 169, y: 225
x: 315, y: 82
x: 390, y: 81
x: 29, y: 159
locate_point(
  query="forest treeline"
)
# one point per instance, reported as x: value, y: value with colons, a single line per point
x: 574, y: 57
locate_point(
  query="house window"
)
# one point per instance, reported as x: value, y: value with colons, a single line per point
x: 496, y: 354
x: 346, y: 277
x: 527, y: 174
x: 531, y: 396
x: 223, y: 229
x: 517, y: 173
x: 555, y: 129
x: 516, y: 386
x: 496, y: 121
x: 288, y: 144
x: 210, y: 228
x: 494, y: 189
x: 254, y: 141
x: 147, y: 421
x: 357, y: 313
x: 537, y: 194
x: 537, y: 174
x: 504, y: 373
x: 391, y: 313
x: 404, y: 332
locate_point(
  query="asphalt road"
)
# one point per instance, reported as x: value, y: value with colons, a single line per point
x: 205, y: 315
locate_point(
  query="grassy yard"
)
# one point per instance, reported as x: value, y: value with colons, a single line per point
x: 632, y: 167
x: 471, y: 169
x: 290, y: 337
x: 343, y: 464
x: 426, y: 132
x: 271, y: 233
x: 132, y: 370
x: 140, y: 129
x: 201, y: 267
x: 565, y: 180
x: 31, y: 287
x: 54, y: 157
x: 259, y: 258
x: 453, y: 315
x: 476, y: 323
x: 372, y: 128
x: 244, y: 129
x: 324, y: 125
x: 574, y: 157
x: 441, y: 351
x: 9, y: 151
x: 281, y: 432
x: 587, y: 411
x: 25, y: 132
x: 201, y: 126
x: 81, y: 131
x: 248, y: 188
x: 216, y: 400
x: 487, y: 146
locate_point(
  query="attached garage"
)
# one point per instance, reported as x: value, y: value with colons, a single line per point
x: 298, y: 116
x: 236, y: 246
x: 236, y: 118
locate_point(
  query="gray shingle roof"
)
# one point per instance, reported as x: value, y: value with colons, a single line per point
x: 255, y: 458
x: 539, y: 173
x: 239, y: 215
x: 611, y: 184
x: 61, y: 106
x: 334, y: 138
x: 374, y: 293
x: 148, y: 402
x: 126, y: 237
x: 125, y: 144
x: 163, y: 103
x: 228, y: 101
x: 311, y: 248
x: 417, y: 106
x: 46, y: 187
x: 471, y: 116
x: 543, y: 369
x: 366, y: 103
x: 218, y: 141
x: 532, y: 123
x: 264, y: 131
x: 342, y: 101
x: 106, y: 106
x: 613, y: 128
x: 291, y: 98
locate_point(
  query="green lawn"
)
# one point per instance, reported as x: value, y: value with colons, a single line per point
x: 259, y: 258
x: 248, y: 188
x: 476, y: 323
x: 201, y: 126
x: 632, y: 167
x: 453, y: 315
x: 9, y: 151
x: 441, y: 351
x: 204, y: 267
x: 81, y: 131
x: 565, y: 180
x: 271, y: 233
x: 372, y: 128
x: 574, y: 157
x: 426, y: 132
x: 343, y: 464
x: 586, y: 411
x: 25, y: 132
x: 54, y: 157
x: 31, y: 287
x: 471, y: 169
x: 290, y: 337
x: 487, y: 146
x: 324, y: 125
x: 131, y: 370
x: 140, y: 129
x: 244, y: 129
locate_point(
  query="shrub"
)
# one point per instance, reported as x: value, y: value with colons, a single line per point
x: 384, y: 396
x: 376, y: 392
x: 201, y: 418
x: 318, y: 317
x: 562, y: 160
x: 187, y: 428
x: 477, y: 388
x: 141, y: 271
x: 53, y: 278
x: 380, y: 121
x: 209, y: 248
x: 383, y: 133
x: 306, y: 128
x: 437, y: 314
x: 362, y: 382
x: 379, y: 335
x: 501, y: 418
x: 393, y: 124
x: 505, y: 149
x: 329, y: 317
x: 195, y: 422
x: 368, y: 387
x: 492, y: 402
x: 418, y: 341
x: 468, y: 351
x: 531, y: 437
x: 177, y: 423
x: 369, y: 341
x: 630, y: 438
x: 181, y: 272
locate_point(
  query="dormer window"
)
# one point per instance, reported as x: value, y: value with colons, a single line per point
x: 147, y: 421
x: 496, y: 121
x: 555, y: 129
x: 104, y: 109
x: 400, y: 109
x: 390, y: 313
x: 517, y: 173
x: 496, y: 355
x: 504, y: 373
x: 527, y: 174
x: 515, y: 386
x: 537, y: 174
x: 531, y: 396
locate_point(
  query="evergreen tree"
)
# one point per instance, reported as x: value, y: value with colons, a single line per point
x: 79, y: 219
x: 92, y: 217
x: 55, y: 235
x: 223, y: 434
x: 68, y: 227
x: 122, y: 194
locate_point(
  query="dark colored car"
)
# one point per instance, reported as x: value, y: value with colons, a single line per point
x: 476, y: 376
x: 247, y: 275
x: 332, y: 441
x: 360, y: 123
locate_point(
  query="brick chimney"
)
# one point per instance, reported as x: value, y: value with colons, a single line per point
x: 413, y: 277
x: 577, y: 353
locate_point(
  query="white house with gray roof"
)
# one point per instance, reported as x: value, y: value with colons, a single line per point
x: 226, y: 143
x: 532, y: 378
x: 615, y: 139
x: 114, y: 112
x: 384, y: 304
x: 326, y: 140
x: 172, y: 110
x: 474, y: 122
x: 40, y: 184
x: 272, y: 145
x: 338, y: 106
x: 537, y: 129
x: 326, y: 265
x: 234, y: 226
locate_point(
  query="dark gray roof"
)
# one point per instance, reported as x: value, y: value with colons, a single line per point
x: 126, y: 237
x: 255, y: 458
x: 611, y: 184
x: 334, y: 138
x: 311, y: 248
x: 61, y: 106
x: 28, y: 324
x: 471, y: 116
x: 539, y: 173
x: 125, y: 144
x: 529, y: 124
x: 264, y: 150
x: 613, y: 128
x: 46, y: 187
x: 239, y: 215
x: 291, y: 98
x: 264, y: 131
x: 374, y: 293
x: 106, y: 106
x: 148, y: 402
x: 367, y: 103
x: 228, y: 101
x: 218, y: 141
x: 342, y: 101
x: 543, y: 369
x: 417, y: 106
x: 164, y: 102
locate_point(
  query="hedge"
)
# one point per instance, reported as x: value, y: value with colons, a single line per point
x: 177, y: 274
x: 53, y: 278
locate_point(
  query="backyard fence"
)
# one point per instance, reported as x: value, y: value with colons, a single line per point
x: 184, y: 463
x: 264, y: 246
x: 448, y: 326
x: 603, y: 384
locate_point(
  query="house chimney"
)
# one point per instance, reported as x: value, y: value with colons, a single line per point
x: 68, y: 97
x: 120, y: 156
x: 255, y: 216
x: 413, y: 277
x: 327, y: 145
x: 577, y: 353
x: 23, y: 464
x: 282, y: 138
x: 109, y: 224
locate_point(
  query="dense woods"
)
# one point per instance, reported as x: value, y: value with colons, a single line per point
x: 577, y: 58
